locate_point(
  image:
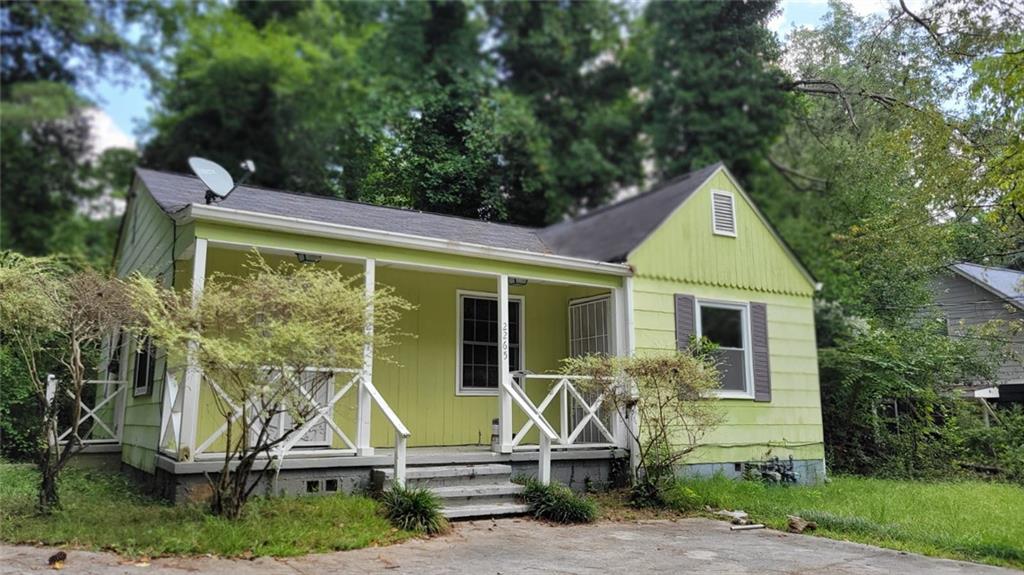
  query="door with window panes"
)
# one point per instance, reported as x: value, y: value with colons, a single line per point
x: 589, y: 334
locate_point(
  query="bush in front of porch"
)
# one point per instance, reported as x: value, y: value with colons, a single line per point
x: 104, y: 511
x: 267, y: 342
x: 556, y: 502
x: 671, y: 398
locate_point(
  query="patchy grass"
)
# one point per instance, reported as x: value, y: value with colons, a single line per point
x: 972, y: 520
x: 104, y: 511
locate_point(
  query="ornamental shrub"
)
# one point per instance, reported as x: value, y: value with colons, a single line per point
x: 558, y: 503
x: 413, y: 510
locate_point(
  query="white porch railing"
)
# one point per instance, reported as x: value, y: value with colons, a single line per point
x: 323, y: 415
x: 101, y: 423
x: 569, y: 399
x: 547, y: 434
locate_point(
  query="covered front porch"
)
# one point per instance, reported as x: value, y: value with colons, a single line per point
x: 476, y: 379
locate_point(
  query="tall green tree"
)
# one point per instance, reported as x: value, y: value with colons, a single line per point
x: 285, y: 94
x: 568, y: 61
x: 890, y: 168
x: 712, y: 77
x: 460, y: 144
x: 48, y: 52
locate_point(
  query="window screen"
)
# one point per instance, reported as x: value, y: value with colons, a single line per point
x: 726, y: 326
x: 480, y: 341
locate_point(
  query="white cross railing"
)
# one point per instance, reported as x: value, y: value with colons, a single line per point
x: 569, y: 397
x: 173, y: 400
x: 107, y: 419
x: 323, y: 414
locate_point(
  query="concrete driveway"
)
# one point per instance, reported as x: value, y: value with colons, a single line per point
x: 512, y: 546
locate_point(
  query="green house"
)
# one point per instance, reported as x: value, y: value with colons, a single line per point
x: 692, y: 257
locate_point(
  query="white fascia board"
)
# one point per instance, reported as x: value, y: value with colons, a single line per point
x: 218, y: 214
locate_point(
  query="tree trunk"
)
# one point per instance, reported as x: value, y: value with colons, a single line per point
x: 49, y: 498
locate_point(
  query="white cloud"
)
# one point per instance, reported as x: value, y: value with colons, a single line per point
x: 105, y: 133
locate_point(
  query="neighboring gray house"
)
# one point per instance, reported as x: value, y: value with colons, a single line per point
x: 972, y: 295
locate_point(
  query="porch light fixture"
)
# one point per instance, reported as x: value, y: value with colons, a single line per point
x: 307, y: 258
x: 517, y: 281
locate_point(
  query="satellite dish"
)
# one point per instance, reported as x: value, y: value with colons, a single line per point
x: 219, y: 182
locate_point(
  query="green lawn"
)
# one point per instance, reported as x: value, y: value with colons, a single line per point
x: 972, y: 520
x: 103, y: 511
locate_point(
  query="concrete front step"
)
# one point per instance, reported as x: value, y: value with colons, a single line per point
x: 465, y: 491
x: 457, y: 496
x: 446, y: 475
x: 481, y: 511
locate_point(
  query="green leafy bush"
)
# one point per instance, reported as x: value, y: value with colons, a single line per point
x: 19, y: 422
x: 1000, y: 445
x: 413, y: 510
x: 885, y: 396
x: 558, y: 503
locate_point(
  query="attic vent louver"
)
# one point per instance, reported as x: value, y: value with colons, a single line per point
x: 723, y: 214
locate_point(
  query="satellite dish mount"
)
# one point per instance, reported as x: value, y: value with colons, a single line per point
x: 219, y: 183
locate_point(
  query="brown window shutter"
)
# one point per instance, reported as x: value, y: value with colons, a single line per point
x: 759, y: 342
x: 686, y: 325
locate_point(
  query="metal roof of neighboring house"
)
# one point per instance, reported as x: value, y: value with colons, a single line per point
x: 1005, y: 283
x: 606, y: 234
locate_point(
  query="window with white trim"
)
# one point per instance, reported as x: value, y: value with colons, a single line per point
x: 145, y: 367
x: 723, y: 214
x: 478, y: 341
x: 728, y: 326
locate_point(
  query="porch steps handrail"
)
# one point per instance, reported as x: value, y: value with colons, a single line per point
x: 547, y: 434
x: 523, y: 401
x: 401, y: 431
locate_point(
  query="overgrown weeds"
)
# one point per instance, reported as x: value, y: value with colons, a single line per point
x: 104, y: 511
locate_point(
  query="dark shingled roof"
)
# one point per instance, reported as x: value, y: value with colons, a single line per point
x: 606, y: 234
x: 174, y: 192
x: 609, y: 233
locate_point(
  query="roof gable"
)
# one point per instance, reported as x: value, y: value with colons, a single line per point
x: 684, y: 246
x: 612, y: 233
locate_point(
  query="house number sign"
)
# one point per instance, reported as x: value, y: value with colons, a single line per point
x: 504, y: 341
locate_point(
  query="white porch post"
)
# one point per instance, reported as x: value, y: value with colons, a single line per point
x: 365, y: 404
x: 621, y: 347
x: 505, y: 401
x: 193, y: 375
x: 633, y: 417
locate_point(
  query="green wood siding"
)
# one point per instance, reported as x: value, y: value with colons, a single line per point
x: 146, y: 245
x: 418, y: 376
x: 683, y: 256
